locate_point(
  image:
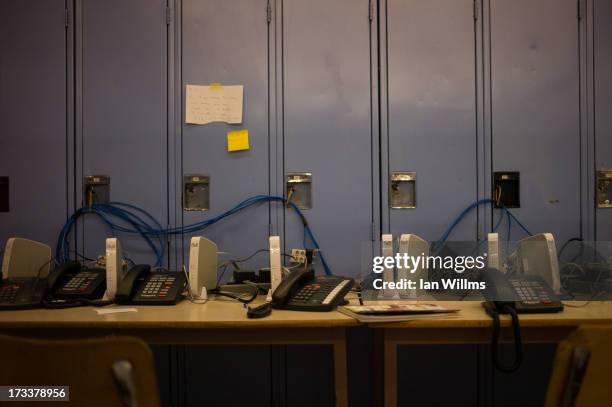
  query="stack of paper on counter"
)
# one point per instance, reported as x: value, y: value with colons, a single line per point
x: 396, y: 312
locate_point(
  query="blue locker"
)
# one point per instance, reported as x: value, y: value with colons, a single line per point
x: 226, y: 42
x: 33, y: 139
x: 431, y: 127
x: 603, y: 104
x: 328, y: 128
x: 122, y: 121
x: 535, y: 112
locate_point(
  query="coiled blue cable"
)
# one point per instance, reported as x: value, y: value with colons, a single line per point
x: 148, y: 227
x: 144, y: 224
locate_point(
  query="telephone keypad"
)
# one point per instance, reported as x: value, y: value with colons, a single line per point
x: 158, y: 286
x: 312, y: 293
x: 80, y: 282
x: 21, y: 293
x: 320, y: 292
x: 530, y: 292
x: 8, y: 293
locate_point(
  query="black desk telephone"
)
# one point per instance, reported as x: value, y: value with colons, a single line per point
x: 141, y: 286
x: 525, y: 293
x: 71, y: 285
x: 68, y: 283
x: 22, y: 293
x: 71, y: 281
x: 301, y: 290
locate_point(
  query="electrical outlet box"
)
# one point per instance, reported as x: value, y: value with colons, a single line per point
x: 299, y: 189
x: 298, y: 255
x: 506, y: 189
x: 96, y: 189
x: 402, y: 190
x: 196, y: 192
x: 604, y: 189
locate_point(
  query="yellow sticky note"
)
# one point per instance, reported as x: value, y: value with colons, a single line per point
x: 238, y: 140
x: 215, y: 86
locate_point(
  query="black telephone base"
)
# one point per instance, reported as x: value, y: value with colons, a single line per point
x: 521, y: 308
x: 318, y: 294
x: 159, y: 288
x: 172, y: 301
x: 29, y: 297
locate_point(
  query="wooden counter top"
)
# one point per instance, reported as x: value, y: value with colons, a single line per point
x: 214, y: 314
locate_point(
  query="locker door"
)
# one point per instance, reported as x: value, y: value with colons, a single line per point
x: 432, y: 113
x: 535, y: 110
x: 33, y: 119
x: 123, y: 61
x: 327, y: 124
x: 603, y: 104
x: 228, y: 44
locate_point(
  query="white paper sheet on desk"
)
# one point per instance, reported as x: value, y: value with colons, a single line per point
x: 213, y: 103
x: 104, y: 311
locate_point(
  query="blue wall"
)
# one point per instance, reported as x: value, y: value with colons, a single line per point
x: 398, y: 86
x: 350, y: 90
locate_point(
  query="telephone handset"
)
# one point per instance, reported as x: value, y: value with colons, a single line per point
x: 70, y: 281
x: 525, y: 293
x: 301, y: 290
x: 141, y: 286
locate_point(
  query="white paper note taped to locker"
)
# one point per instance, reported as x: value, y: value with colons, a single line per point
x: 213, y: 103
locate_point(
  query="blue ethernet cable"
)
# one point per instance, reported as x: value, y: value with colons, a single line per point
x: 519, y: 222
x: 147, y: 226
x: 62, y: 250
x: 474, y: 205
x: 142, y: 226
